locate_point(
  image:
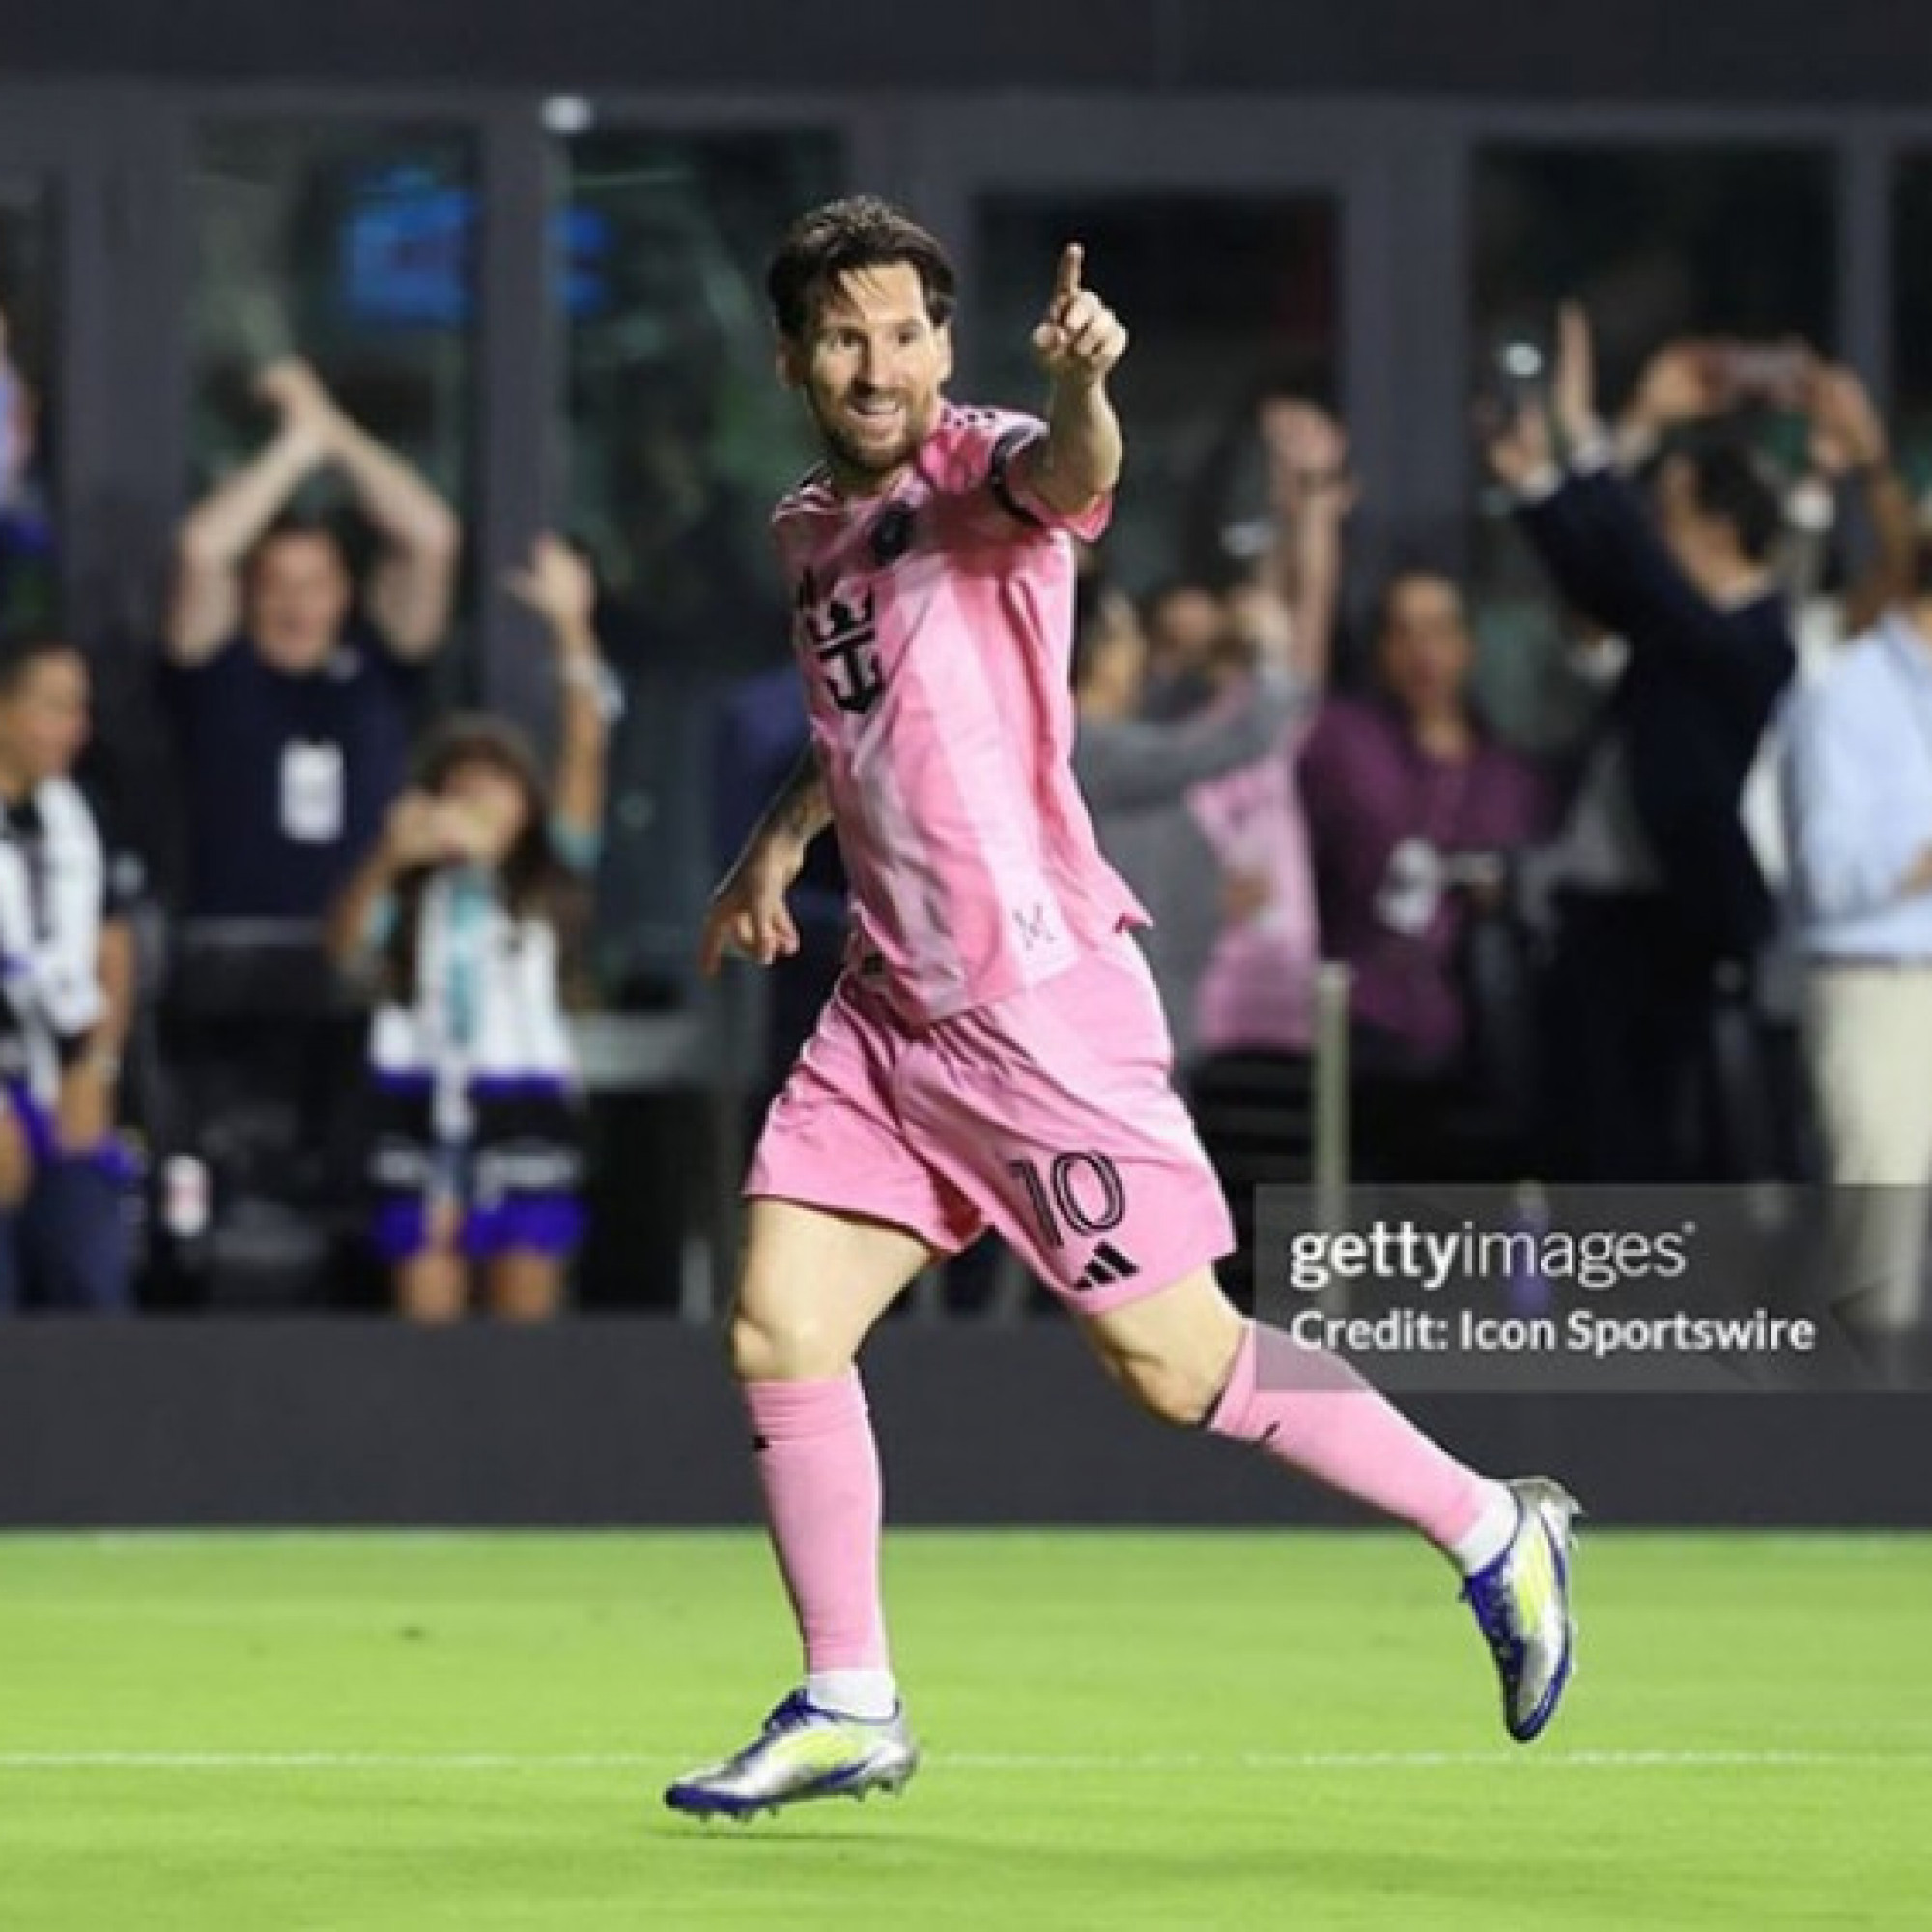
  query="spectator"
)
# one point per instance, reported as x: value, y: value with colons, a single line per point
x: 1858, y: 790
x: 1257, y: 991
x: 26, y: 542
x: 1414, y: 810
x: 64, y: 1000
x: 1659, y: 901
x: 1136, y: 774
x: 463, y: 910
x: 1184, y: 625
x: 293, y: 704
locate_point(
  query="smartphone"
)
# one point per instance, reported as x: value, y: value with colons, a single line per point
x: 1519, y: 376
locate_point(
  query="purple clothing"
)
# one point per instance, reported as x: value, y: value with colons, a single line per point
x: 1383, y: 816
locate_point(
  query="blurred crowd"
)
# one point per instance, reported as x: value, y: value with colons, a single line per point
x: 1687, y: 939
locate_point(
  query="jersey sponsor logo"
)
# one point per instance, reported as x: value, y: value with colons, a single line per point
x: 842, y: 635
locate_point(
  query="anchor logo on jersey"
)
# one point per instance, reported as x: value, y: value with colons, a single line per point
x: 843, y: 634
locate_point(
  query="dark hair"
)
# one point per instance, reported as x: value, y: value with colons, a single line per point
x: 1729, y: 480
x: 307, y: 525
x: 537, y: 882
x: 1166, y: 589
x: 840, y: 238
x: 22, y: 650
x: 1382, y: 612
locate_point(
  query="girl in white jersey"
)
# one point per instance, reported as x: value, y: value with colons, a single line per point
x: 460, y: 918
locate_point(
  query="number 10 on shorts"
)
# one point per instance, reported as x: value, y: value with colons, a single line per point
x: 1081, y: 1192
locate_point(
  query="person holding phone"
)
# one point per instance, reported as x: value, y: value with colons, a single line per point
x: 1661, y: 905
x: 462, y: 919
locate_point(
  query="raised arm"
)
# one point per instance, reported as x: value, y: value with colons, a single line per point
x: 204, y: 606
x: 16, y: 423
x: 1129, y: 763
x: 560, y: 586
x: 419, y: 830
x: 748, y: 914
x: 1848, y: 441
x: 1312, y: 494
x: 1079, y: 342
x: 1604, y: 553
x: 414, y: 579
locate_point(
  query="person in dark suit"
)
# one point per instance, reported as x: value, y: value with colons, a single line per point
x: 1661, y: 905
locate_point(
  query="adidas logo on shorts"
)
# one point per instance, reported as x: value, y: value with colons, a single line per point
x: 1107, y: 1266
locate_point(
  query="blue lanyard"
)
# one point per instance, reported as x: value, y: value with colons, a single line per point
x: 470, y: 899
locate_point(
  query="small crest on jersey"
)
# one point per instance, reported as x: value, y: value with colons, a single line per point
x: 892, y: 533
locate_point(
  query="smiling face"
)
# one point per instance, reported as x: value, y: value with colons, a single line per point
x: 298, y: 593
x: 869, y: 367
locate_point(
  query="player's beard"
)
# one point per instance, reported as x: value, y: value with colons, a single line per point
x: 866, y: 462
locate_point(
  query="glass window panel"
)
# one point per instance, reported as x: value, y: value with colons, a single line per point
x: 1226, y: 296
x: 678, y: 440
x: 28, y: 589
x: 1912, y: 317
x: 351, y: 243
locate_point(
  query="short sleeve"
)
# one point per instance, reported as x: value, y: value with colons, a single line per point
x: 576, y: 846
x: 994, y: 450
x: 184, y: 683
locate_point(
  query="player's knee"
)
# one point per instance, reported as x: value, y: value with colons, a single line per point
x: 1170, y: 1388
x: 784, y: 1344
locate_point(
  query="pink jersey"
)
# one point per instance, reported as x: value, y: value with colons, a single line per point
x: 933, y: 627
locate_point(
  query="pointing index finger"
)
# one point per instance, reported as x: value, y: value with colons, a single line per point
x: 1066, y: 277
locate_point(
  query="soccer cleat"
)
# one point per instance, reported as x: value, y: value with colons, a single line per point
x: 1521, y: 1604
x: 802, y: 1752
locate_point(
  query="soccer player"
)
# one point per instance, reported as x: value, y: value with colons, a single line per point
x: 994, y: 1054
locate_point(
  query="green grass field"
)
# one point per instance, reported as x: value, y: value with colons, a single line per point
x: 1180, y: 1731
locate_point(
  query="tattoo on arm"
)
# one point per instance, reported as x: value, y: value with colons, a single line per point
x: 801, y: 809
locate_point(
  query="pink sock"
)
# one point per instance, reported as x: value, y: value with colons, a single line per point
x: 820, y: 1470
x: 1312, y: 1410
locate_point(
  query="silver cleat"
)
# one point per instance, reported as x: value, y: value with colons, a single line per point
x: 802, y: 1753
x: 1521, y: 1604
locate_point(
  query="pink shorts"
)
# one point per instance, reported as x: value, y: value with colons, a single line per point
x: 1046, y: 1115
